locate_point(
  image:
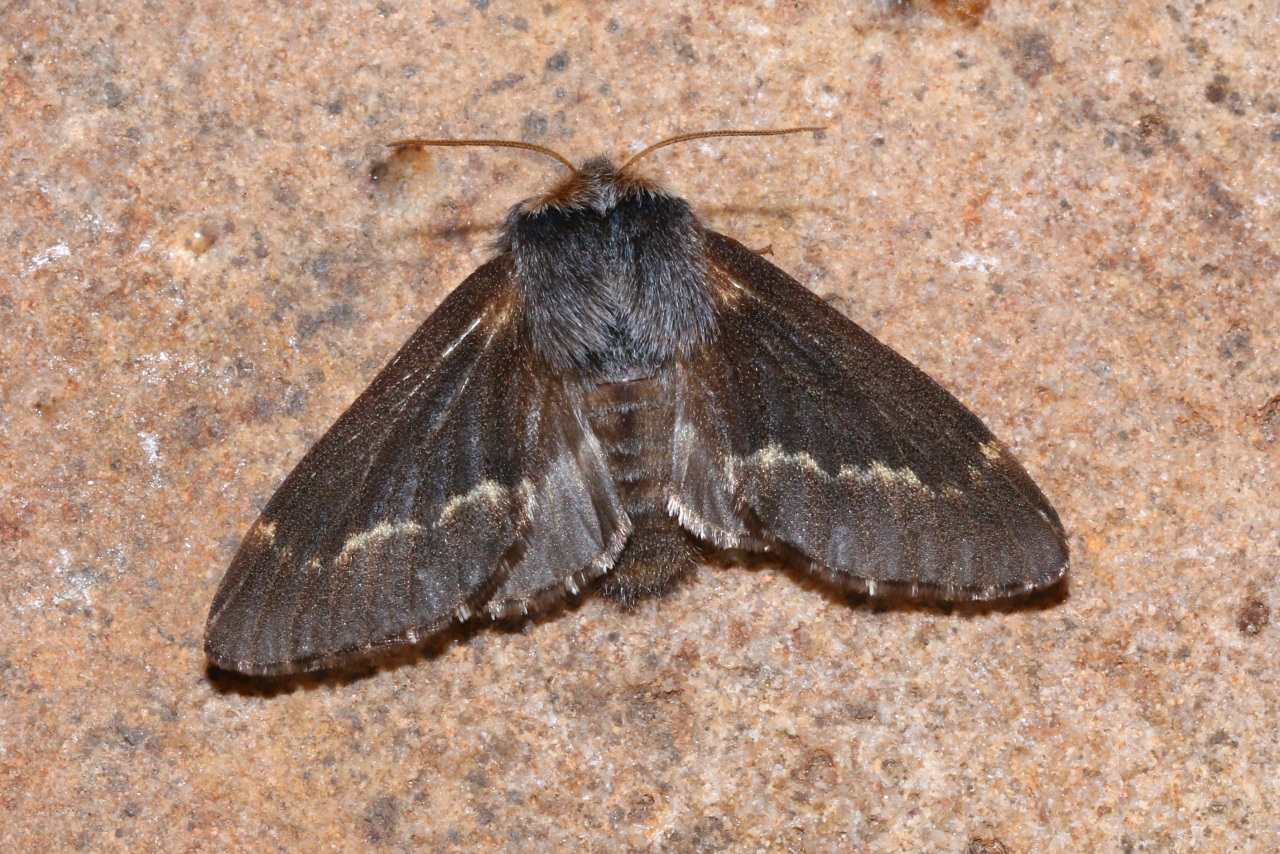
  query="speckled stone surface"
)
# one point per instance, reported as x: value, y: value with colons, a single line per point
x: 1066, y: 212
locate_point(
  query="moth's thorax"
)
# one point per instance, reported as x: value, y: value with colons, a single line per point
x: 610, y: 273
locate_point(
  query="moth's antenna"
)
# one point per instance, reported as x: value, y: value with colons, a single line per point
x: 484, y: 143
x: 704, y: 134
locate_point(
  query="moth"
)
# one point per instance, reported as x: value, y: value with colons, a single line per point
x: 618, y: 386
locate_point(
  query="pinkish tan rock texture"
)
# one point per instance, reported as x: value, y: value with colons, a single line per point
x: 1065, y: 212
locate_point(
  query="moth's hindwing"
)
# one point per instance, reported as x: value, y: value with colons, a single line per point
x: 577, y: 522
x: 430, y: 495
x: 799, y: 431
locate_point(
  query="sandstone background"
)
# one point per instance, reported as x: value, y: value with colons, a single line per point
x: 1066, y: 212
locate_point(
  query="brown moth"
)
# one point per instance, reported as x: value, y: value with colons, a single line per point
x: 618, y: 384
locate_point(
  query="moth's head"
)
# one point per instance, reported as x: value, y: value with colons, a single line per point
x: 596, y: 185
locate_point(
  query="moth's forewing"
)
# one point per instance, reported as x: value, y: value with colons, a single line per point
x: 799, y: 429
x: 421, y: 501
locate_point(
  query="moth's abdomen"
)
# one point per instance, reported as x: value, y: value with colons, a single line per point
x: 634, y: 423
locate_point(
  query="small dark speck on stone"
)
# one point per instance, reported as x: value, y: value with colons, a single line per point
x: 334, y: 108
x: 1238, y: 341
x: 558, y: 61
x: 686, y: 52
x: 385, y: 9
x: 341, y: 314
x: 877, y: 140
x: 380, y: 820
x: 263, y: 406
x: 379, y: 171
x: 1269, y: 420
x: 506, y: 82
x: 1156, y: 127
x: 862, y: 712
x: 132, y: 736
x: 240, y: 367
x: 482, y: 5
x: 196, y: 427
x: 114, y: 95
x: 1227, y: 206
x: 535, y: 126
x: 321, y: 265
x: 1034, y: 55
x: 1253, y: 617
x: 286, y: 196
x: 1197, y: 47
x: 613, y: 25
x: 1217, y: 91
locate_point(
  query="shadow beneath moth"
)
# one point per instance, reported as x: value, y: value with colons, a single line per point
x: 617, y: 386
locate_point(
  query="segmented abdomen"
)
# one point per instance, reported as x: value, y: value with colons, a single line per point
x: 634, y: 421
